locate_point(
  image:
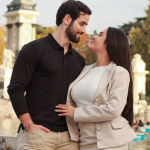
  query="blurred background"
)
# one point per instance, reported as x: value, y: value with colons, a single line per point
x: 22, y: 21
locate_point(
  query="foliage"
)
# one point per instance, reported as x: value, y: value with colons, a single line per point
x: 90, y: 56
x: 82, y: 48
x: 2, y: 41
x: 126, y: 28
x: 43, y: 31
x: 83, y: 44
x: 139, y: 37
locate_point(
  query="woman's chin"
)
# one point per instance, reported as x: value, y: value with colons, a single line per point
x: 90, y: 47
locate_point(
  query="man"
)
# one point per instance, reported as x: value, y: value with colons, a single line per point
x: 44, y: 69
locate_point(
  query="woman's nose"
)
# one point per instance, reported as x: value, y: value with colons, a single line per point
x: 94, y: 37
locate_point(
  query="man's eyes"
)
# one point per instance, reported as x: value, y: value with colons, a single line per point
x: 81, y: 24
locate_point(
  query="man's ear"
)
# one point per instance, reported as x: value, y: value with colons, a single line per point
x: 67, y: 19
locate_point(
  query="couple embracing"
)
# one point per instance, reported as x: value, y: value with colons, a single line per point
x: 62, y: 103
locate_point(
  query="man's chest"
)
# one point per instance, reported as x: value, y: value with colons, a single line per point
x: 58, y: 65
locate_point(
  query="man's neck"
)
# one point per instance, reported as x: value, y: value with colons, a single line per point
x: 62, y: 39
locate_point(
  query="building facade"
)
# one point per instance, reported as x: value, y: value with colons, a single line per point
x: 21, y: 20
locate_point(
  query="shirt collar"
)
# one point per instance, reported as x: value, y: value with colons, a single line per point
x: 56, y: 46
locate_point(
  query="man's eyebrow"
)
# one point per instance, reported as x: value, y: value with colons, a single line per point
x: 84, y: 22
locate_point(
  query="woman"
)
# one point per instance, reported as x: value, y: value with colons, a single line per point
x: 103, y: 94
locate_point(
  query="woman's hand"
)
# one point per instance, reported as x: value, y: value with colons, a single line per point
x: 65, y: 110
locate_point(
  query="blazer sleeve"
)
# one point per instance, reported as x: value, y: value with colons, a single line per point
x: 114, y: 105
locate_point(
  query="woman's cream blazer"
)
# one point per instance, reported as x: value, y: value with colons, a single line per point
x: 110, y: 100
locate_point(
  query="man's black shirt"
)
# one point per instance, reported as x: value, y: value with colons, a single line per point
x: 44, y: 73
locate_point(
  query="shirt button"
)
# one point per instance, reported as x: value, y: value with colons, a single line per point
x: 96, y: 100
x: 106, y: 103
x: 99, y: 139
x: 98, y: 129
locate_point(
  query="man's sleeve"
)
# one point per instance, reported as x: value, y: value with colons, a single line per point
x: 22, y: 73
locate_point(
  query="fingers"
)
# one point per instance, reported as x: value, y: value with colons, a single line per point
x: 63, y: 114
x: 65, y: 110
x: 44, y: 128
x: 62, y: 106
x: 60, y: 110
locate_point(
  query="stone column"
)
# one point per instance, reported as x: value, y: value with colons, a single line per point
x: 33, y: 31
x: 18, y: 44
x: 9, y: 36
x: 139, y: 74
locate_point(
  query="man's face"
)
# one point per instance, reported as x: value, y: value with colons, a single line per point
x: 77, y: 28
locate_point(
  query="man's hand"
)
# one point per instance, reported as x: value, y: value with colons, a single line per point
x: 65, y: 110
x: 26, y: 120
x: 35, y: 127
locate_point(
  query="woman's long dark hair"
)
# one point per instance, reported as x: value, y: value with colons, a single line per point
x: 119, y: 52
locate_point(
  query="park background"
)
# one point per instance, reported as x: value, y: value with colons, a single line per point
x: 132, y: 16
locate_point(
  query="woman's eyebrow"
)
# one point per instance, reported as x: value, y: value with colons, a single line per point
x: 101, y: 32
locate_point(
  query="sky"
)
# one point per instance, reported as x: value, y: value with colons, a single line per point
x: 105, y: 13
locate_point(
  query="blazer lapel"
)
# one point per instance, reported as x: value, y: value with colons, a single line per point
x: 83, y: 73
x: 105, y: 79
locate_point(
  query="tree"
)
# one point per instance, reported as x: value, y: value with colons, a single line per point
x: 83, y: 44
x: 126, y: 28
x: 140, y: 43
x: 2, y: 42
x: 90, y: 56
x: 82, y: 48
x: 43, y: 31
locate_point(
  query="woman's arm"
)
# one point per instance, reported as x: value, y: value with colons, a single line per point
x: 109, y: 111
x: 114, y: 105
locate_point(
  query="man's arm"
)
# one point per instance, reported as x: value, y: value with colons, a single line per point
x: 29, y: 125
x: 23, y: 71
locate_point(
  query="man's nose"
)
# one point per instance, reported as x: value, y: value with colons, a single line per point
x: 84, y: 29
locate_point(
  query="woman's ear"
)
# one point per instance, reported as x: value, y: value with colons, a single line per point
x: 67, y: 19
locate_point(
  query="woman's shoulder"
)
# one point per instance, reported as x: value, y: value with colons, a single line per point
x: 120, y: 71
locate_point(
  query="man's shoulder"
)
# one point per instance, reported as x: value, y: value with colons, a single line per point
x: 36, y: 46
x: 40, y: 41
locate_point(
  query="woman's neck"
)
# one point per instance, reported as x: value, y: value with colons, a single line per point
x: 103, y: 60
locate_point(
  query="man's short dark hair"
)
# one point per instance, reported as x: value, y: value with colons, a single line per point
x: 73, y: 8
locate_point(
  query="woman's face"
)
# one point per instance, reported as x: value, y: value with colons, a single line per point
x: 97, y: 44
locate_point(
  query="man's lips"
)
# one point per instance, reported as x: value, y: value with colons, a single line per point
x: 78, y: 35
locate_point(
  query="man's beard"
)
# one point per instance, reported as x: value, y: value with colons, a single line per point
x: 71, y: 33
